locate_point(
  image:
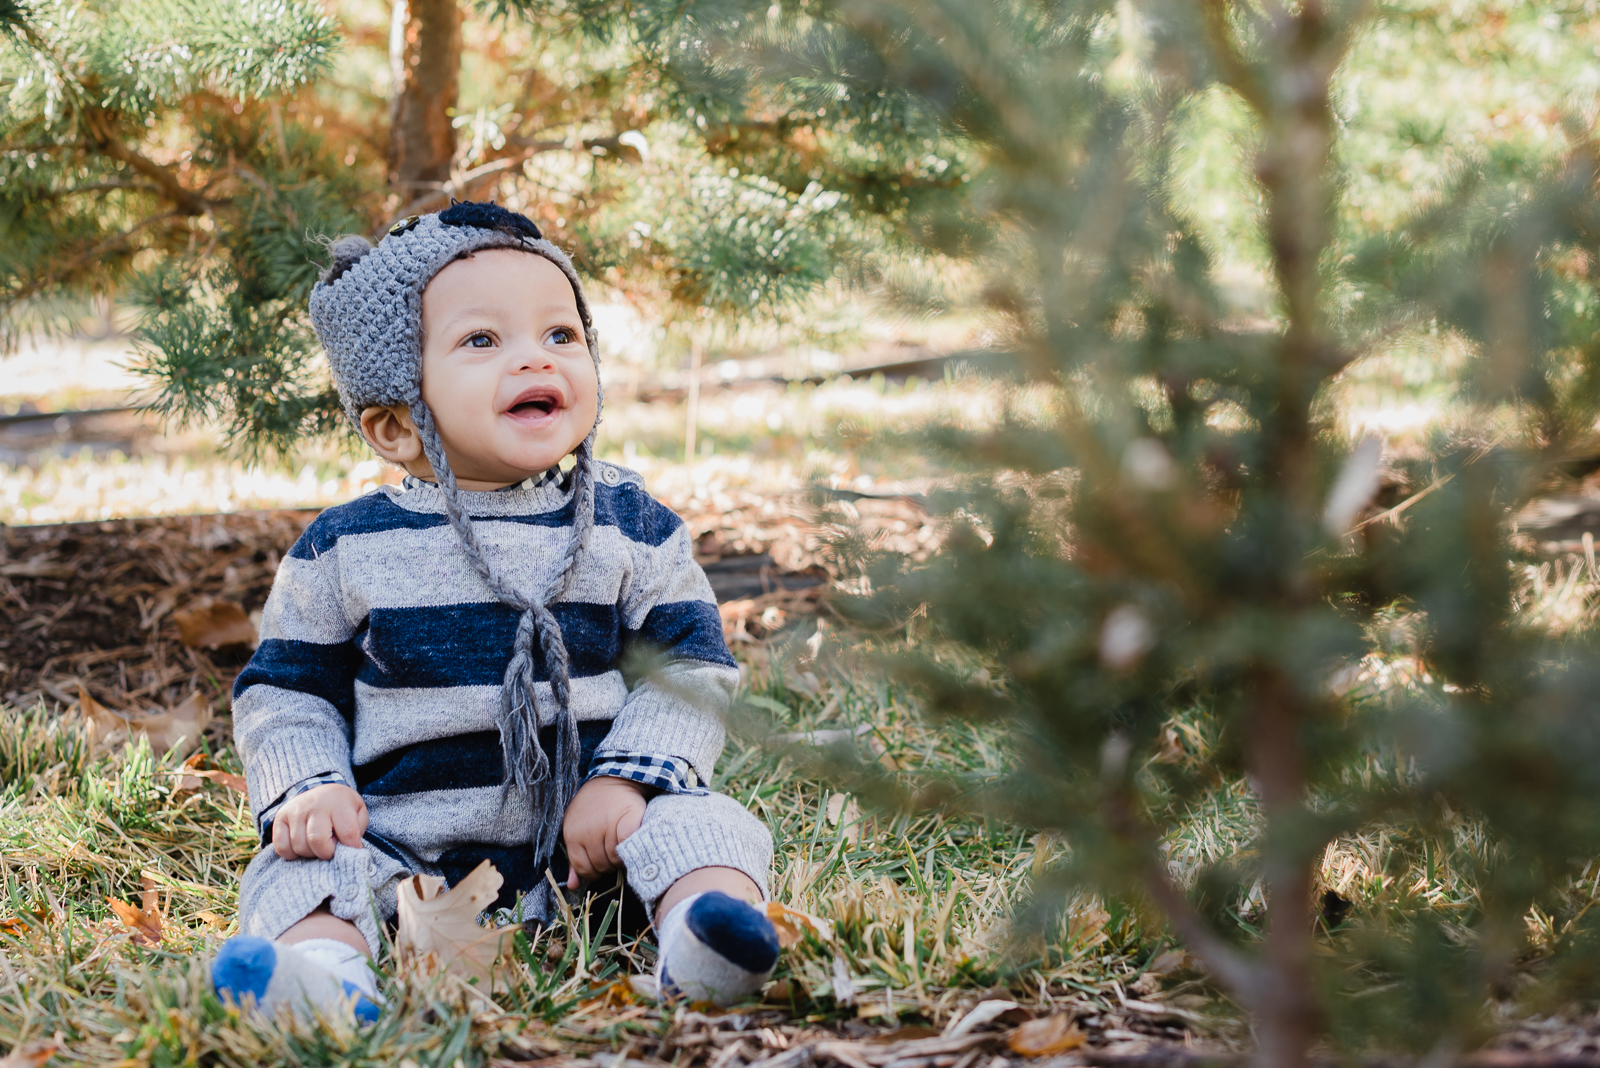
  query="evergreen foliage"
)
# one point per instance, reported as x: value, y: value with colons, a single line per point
x: 1163, y: 551
x: 184, y: 157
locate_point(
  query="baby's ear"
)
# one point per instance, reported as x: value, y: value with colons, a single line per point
x: 393, y: 435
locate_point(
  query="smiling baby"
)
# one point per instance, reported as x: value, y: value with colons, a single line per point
x: 440, y: 678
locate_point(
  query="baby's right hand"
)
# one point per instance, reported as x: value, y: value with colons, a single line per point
x: 309, y: 825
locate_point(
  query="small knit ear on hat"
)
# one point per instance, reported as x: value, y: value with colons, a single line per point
x: 346, y: 252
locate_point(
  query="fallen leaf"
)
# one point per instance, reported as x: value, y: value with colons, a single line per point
x: 981, y: 1013
x: 792, y: 924
x: 30, y: 1056
x: 101, y: 723
x: 1087, y: 928
x: 17, y: 926
x: 212, y: 624
x: 181, y: 725
x: 1172, y: 750
x: 187, y: 780
x: 842, y: 808
x: 143, y: 923
x: 1173, y: 960
x: 211, y: 919
x: 1053, y: 1034
x: 193, y: 774
x: 844, y: 985
x: 441, y: 930
x: 223, y: 778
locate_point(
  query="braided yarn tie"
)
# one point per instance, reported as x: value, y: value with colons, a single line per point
x: 527, y: 766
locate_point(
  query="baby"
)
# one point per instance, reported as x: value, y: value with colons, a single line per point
x: 441, y: 674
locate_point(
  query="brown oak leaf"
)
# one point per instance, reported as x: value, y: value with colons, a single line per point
x: 1053, y: 1034
x: 441, y: 930
x: 212, y: 624
x: 143, y: 923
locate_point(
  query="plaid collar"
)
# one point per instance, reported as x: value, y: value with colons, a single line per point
x: 544, y: 478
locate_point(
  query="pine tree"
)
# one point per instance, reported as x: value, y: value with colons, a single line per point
x: 183, y: 156
x: 1164, y: 526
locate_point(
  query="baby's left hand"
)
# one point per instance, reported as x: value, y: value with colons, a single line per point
x: 605, y: 811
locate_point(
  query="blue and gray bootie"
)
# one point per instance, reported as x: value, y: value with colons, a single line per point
x: 716, y: 948
x: 320, y: 972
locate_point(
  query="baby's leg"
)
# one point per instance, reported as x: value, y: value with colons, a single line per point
x: 298, y: 950
x: 324, y: 925
x: 731, y: 881
x: 702, y: 862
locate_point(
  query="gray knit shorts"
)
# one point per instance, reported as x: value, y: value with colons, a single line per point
x: 680, y: 832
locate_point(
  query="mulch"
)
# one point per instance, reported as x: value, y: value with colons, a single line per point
x: 137, y: 612
x: 93, y: 605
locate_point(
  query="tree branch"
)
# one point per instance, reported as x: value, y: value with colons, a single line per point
x: 102, y: 140
x: 84, y: 258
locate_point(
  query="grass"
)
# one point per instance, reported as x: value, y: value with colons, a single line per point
x: 921, y: 908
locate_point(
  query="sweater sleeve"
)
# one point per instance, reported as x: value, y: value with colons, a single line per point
x: 294, y: 703
x: 671, y: 627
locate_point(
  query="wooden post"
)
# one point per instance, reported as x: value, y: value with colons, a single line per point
x: 692, y: 418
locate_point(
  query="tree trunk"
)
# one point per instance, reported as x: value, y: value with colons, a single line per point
x: 425, y: 56
x: 1285, y: 1005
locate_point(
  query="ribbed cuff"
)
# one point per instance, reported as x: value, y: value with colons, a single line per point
x: 683, y: 832
x: 289, y: 757
x: 275, y: 894
x: 657, y: 723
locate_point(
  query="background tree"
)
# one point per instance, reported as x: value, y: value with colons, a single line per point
x: 1165, y: 526
x: 183, y: 156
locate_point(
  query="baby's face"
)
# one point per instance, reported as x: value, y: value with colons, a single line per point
x: 505, y: 367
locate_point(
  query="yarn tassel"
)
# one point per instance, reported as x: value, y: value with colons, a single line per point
x: 529, y: 771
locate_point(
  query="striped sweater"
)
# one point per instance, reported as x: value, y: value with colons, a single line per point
x: 382, y: 655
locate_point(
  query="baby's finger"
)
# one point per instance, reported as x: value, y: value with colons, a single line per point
x: 578, y: 857
x: 348, y: 826
x: 628, y: 823
x: 613, y: 859
x: 281, y: 844
x: 319, y: 835
x: 297, y: 835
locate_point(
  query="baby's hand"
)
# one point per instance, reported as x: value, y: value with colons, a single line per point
x: 605, y: 811
x: 309, y: 824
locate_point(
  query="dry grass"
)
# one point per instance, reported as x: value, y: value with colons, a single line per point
x: 921, y: 908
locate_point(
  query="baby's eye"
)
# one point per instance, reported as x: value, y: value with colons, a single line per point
x: 480, y: 340
x: 563, y: 335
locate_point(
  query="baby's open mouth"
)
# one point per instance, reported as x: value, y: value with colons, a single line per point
x: 541, y: 402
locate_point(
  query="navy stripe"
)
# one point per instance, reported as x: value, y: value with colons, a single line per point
x: 463, y: 762
x: 325, y: 671
x: 640, y: 517
x: 370, y: 514
x: 387, y: 848
x: 517, y: 865
x: 685, y: 630
x: 470, y: 644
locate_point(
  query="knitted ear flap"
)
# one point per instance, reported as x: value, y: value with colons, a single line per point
x: 346, y: 252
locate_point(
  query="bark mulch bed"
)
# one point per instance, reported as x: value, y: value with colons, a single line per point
x: 144, y: 613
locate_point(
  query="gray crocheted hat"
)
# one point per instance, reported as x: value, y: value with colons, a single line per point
x: 367, y: 312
